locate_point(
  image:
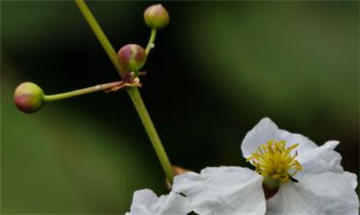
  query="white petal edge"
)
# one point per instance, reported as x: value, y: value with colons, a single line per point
x: 146, y: 202
x: 321, y: 159
x: 223, y: 191
x: 325, y: 193
x: 267, y: 130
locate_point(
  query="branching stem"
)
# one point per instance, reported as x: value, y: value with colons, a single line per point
x: 132, y: 91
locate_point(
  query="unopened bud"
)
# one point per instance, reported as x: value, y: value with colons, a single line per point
x: 156, y: 16
x: 28, y: 97
x: 132, y: 57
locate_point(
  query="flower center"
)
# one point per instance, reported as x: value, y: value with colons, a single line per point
x: 275, y: 160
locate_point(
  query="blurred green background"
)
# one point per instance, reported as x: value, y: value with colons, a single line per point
x: 217, y: 69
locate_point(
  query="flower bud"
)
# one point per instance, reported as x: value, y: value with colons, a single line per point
x: 28, y: 97
x: 156, y: 16
x: 132, y: 57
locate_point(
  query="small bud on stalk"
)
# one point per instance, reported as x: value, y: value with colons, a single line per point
x: 156, y: 17
x: 132, y: 57
x: 28, y: 97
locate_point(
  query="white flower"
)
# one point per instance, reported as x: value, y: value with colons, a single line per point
x: 323, y: 186
x: 307, y: 179
x: 146, y: 202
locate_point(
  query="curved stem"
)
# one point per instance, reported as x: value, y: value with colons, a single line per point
x: 151, y: 43
x: 83, y: 91
x: 132, y: 91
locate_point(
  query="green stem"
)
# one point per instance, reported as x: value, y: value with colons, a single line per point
x: 151, y: 42
x: 49, y: 98
x: 94, y: 25
x: 132, y: 91
x: 151, y: 131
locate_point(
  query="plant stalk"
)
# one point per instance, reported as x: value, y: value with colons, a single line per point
x: 99, y: 87
x: 151, y: 43
x: 132, y: 91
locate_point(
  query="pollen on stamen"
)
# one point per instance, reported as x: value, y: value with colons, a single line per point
x: 276, y: 160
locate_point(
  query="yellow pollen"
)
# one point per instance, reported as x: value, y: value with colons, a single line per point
x: 274, y: 159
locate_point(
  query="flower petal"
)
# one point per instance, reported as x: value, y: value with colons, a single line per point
x: 267, y: 130
x: 325, y: 193
x: 146, y: 202
x: 222, y: 190
x: 321, y: 159
x: 173, y: 203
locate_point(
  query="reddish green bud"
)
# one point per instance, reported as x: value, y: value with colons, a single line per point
x: 156, y: 16
x: 132, y: 57
x: 28, y: 97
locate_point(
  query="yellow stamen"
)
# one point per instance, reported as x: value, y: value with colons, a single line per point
x: 275, y: 159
